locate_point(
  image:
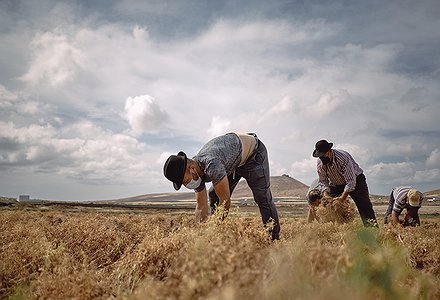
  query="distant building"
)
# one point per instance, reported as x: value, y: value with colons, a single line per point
x: 24, y: 198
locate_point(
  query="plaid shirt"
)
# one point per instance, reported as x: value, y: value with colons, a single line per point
x: 342, y: 170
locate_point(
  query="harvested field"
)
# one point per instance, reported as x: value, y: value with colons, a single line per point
x: 55, y: 254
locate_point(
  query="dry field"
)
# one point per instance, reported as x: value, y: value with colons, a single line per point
x: 58, y: 254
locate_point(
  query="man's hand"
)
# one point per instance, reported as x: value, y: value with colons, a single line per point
x: 395, y: 218
x: 201, y: 212
x: 344, y: 196
x: 326, y: 199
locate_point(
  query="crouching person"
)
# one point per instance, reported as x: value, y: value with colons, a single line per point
x: 314, y: 196
x: 404, y: 197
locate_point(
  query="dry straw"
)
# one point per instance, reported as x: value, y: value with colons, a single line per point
x: 335, y: 210
x: 81, y: 255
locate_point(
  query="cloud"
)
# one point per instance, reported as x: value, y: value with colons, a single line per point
x: 82, y: 151
x: 284, y: 106
x: 427, y: 176
x: 55, y: 60
x: 391, y: 173
x: 218, y: 126
x: 291, y: 76
x: 140, y: 33
x: 144, y: 114
x: 360, y: 154
x: 433, y: 160
x: 326, y: 104
x: 305, y: 169
x: 6, y: 97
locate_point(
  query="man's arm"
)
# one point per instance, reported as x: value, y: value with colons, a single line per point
x: 323, y: 180
x: 311, y: 215
x: 344, y: 196
x: 349, y: 174
x: 395, y: 218
x: 223, y: 193
x: 201, y: 206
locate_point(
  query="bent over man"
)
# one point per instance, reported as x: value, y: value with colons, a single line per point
x: 224, y: 160
x: 342, y: 176
x: 404, y: 197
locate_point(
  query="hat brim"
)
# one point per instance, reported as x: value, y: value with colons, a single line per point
x: 317, y: 153
x: 177, y: 185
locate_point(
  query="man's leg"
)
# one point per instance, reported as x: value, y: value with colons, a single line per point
x: 390, y: 209
x: 213, y: 198
x: 256, y: 173
x: 413, y: 217
x: 361, y: 198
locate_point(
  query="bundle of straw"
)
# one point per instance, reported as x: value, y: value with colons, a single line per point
x: 335, y: 210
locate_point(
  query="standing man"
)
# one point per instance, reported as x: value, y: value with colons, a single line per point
x: 404, y: 197
x: 342, y: 176
x: 224, y: 160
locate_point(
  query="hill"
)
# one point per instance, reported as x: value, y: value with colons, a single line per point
x: 432, y: 194
x: 280, y: 186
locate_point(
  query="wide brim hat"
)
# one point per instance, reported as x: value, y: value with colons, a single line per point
x: 414, y: 197
x: 174, y: 169
x: 321, y: 148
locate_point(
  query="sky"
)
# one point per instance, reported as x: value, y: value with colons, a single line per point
x: 95, y: 95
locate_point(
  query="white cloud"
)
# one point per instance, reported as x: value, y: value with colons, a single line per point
x: 6, y: 97
x: 391, y: 173
x: 55, y: 60
x: 218, y: 126
x: 227, y: 34
x: 326, y: 104
x: 427, y: 176
x: 163, y: 157
x: 140, y: 33
x: 29, y: 108
x: 83, y: 152
x: 285, y: 105
x: 433, y: 160
x: 360, y: 154
x: 144, y: 114
x: 305, y: 170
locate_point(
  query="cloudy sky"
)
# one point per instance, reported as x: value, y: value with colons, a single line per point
x: 95, y: 95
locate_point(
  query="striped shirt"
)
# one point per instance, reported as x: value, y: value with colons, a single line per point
x: 400, y: 194
x: 342, y: 170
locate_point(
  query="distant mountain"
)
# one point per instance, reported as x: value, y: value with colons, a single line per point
x: 280, y: 186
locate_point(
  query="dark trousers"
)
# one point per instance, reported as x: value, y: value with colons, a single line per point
x: 412, y: 217
x: 256, y: 173
x: 361, y: 198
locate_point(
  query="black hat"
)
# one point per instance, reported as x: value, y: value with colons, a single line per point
x: 174, y: 169
x: 321, y: 148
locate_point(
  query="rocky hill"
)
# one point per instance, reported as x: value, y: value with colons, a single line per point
x: 280, y: 186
